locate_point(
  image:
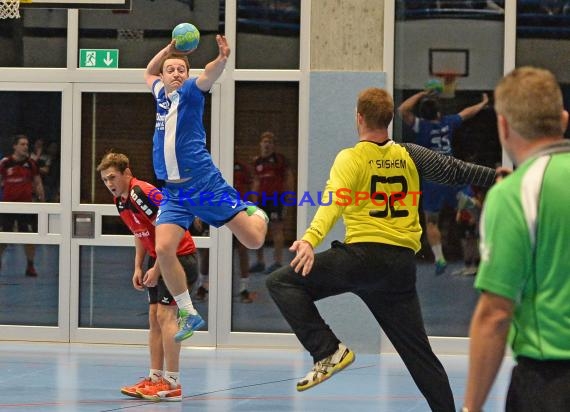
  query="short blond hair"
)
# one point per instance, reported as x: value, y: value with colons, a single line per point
x: 531, y: 101
x: 376, y: 106
x: 119, y: 161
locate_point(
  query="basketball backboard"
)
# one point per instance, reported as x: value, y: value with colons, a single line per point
x: 454, y: 61
x: 77, y: 4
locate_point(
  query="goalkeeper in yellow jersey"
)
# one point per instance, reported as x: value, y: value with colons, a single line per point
x: 375, y: 187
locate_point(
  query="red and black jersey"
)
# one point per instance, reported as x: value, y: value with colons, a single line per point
x: 242, y: 177
x: 18, y: 179
x: 271, y: 172
x: 139, y: 212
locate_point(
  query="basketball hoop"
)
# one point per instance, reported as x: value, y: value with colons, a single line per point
x: 449, y: 84
x: 9, y: 9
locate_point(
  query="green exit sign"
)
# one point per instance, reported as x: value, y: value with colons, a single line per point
x: 99, y: 58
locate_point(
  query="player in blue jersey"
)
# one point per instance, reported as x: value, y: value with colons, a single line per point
x: 194, y: 186
x: 435, y: 132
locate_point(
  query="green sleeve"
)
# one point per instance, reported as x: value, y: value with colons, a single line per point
x: 504, y: 245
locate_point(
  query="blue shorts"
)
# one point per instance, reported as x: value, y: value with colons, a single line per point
x: 208, y: 197
x: 436, y: 197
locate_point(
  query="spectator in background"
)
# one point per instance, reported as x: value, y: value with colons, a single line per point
x: 242, y: 182
x: 435, y: 132
x: 49, y: 166
x: 20, y: 180
x: 37, y: 150
x: 50, y: 171
x: 272, y: 176
x: 200, y: 228
x: 469, y: 203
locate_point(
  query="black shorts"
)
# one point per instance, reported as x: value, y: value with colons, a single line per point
x: 24, y: 223
x: 160, y: 293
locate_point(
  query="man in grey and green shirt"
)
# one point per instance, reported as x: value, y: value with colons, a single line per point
x: 524, y: 274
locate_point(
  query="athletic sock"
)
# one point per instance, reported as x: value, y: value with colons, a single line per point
x: 155, y: 375
x: 173, y: 378
x: 254, y: 210
x: 437, y: 252
x: 243, y: 284
x: 184, y: 302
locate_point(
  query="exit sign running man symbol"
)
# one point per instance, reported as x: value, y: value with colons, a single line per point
x: 99, y: 58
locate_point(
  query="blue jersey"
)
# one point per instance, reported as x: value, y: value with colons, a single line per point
x: 437, y: 135
x: 179, y: 142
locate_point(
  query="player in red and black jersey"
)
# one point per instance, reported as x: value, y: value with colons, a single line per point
x: 138, y: 203
x: 272, y: 176
x: 20, y: 179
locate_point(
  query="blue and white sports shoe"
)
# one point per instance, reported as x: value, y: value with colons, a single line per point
x: 187, y: 324
x: 440, y: 267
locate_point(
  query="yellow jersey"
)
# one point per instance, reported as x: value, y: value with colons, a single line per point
x: 376, y: 189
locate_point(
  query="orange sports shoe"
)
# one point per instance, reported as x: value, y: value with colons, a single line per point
x: 161, y: 391
x: 132, y: 390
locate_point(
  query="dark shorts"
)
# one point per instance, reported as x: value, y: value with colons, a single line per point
x: 539, y: 386
x: 160, y: 293
x: 24, y: 223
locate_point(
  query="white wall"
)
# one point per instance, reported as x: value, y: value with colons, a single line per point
x: 483, y: 39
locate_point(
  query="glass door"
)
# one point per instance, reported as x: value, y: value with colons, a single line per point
x: 35, y: 149
x: 104, y: 305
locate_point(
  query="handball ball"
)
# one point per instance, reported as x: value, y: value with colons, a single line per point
x: 434, y: 85
x: 186, y: 36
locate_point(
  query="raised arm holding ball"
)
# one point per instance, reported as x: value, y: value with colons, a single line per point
x: 182, y: 160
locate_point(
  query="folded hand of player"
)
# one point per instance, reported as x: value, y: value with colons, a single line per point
x: 304, y: 258
x: 151, y: 277
x: 138, y: 279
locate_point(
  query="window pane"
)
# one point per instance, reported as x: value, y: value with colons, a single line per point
x: 107, y: 298
x: 429, y: 52
x: 201, y: 288
x: 113, y: 225
x: 542, y: 38
x: 36, y: 116
x: 265, y: 161
x: 268, y: 34
x: 11, y: 222
x: 147, y: 28
x: 23, y: 288
x: 124, y: 122
x: 37, y: 39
